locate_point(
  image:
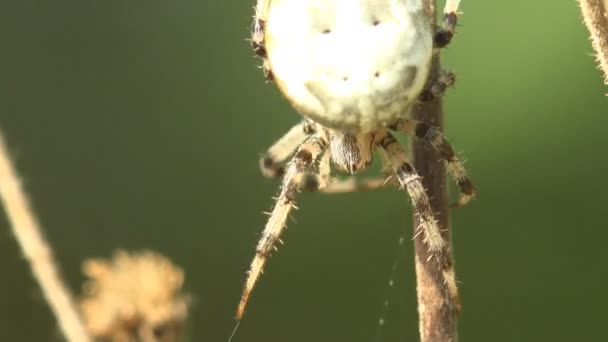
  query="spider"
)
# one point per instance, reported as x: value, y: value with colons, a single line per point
x: 351, y: 69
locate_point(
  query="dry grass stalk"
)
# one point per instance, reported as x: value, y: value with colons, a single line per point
x: 437, y: 306
x: 595, y: 14
x: 135, y: 297
x: 37, y: 251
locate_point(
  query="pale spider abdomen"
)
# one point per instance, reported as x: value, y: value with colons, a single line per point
x: 350, y: 65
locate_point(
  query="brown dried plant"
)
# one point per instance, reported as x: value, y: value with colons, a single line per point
x: 438, y: 308
x: 134, y: 297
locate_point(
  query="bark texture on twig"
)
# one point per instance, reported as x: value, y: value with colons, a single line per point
x: 595, y: 13
x: 37, y: 251
x: 437, y: 307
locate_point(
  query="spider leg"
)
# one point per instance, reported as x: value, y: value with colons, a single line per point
x: 272, y: 162
x: 300, y: 164
x: 258, y: 27
x: 411, y: 181
x: 444, y: 34
x: 436, y: 89
x: 433, y: 136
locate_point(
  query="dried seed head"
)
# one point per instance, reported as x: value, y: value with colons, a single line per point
x: 134, y: 297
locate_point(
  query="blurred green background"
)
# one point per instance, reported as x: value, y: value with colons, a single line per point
x: 139, y: 124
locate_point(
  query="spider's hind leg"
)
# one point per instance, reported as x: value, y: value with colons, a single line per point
x: 301, y: 163
x: 434, y: 138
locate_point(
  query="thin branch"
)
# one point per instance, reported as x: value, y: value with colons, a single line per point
x: 595, y: 13
x: 37, y: 250
x: 438, y: 303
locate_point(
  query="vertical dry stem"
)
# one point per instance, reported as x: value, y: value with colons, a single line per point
x: 595, y: 13
x: 37, y: 251
x: 437, y: 309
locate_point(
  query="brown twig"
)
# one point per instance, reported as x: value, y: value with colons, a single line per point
x: 437, y: 306
x: 37, y: 251
x: 595, y: 13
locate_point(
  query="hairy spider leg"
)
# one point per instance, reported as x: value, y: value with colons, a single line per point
x: 298, y: 167
x: 443, y: 35
x: 435, y: 90
x: 257, y: 27
x: 411, y: 181
x: 258, y: 31
x: 272, y: 162
x: 433, y: 136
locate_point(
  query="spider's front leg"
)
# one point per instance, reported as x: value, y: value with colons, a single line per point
x: 435, y: 139
x: 443, y: 35
x: 301, y: 164
x: 272, y: 163
x: 409, y: 179
x: 258, y: 27
x: 442, y: 38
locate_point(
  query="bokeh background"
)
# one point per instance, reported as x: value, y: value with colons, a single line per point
x: 139, y: 124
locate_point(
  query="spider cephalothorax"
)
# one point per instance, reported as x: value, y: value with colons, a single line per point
x: 353, y: 69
